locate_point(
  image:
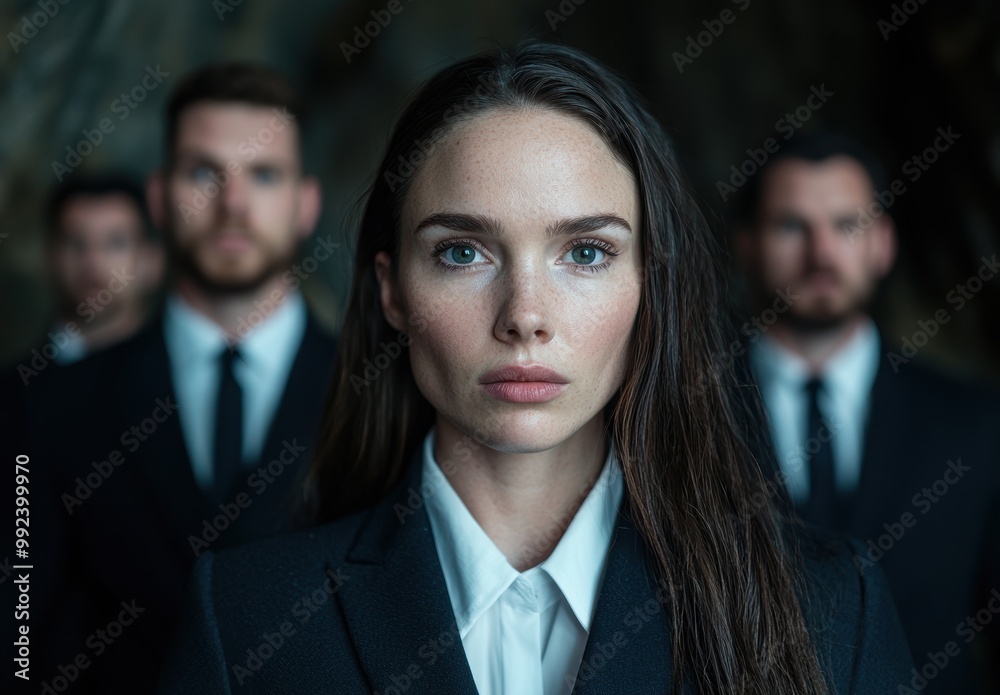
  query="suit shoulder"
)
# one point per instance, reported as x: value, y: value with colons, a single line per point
x: 836, y: 579
x: 954, y: 389
x: 829, y: 561
x: 115, y: 358
x: 844, y: 590
x: 280, y: 557
x: 850, y: 615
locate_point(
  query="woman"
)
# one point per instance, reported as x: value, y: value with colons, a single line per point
x: 533, y: 477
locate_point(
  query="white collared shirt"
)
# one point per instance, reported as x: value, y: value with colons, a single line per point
x: 267, y: 352
x: 845, y: 402
x: 523, y: 632
x: 73, y: 349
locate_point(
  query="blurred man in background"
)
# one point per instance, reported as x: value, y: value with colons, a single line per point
x: 102, y: 261
x: 191, y: 435
x: 103, y: 265
x: 869, y: 441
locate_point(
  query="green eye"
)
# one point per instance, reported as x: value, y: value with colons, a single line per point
x: 462, y: 255
x: 584, y: 255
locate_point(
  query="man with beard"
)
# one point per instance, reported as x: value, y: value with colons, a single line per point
x: 899, y: 455
x: 193, y: 434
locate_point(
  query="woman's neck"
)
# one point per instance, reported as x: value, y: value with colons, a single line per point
x: 524, y: 502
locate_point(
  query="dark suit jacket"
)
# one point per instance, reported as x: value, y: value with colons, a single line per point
x: 120, y: 532
x: 360, y: 605
x: 943, y: 560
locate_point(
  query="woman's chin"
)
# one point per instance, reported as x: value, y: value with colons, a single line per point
x: 524, y: 433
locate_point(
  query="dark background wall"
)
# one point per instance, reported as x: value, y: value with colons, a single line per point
x: 893, y: 84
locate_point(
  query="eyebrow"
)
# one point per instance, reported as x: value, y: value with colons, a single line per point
x: 197, y: 158
x: 484, y: 224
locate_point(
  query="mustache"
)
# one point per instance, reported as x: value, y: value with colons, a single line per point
x: 817, y: 271
x: 240, y: 231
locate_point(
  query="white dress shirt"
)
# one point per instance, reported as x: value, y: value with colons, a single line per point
x: 194, y: 345
x: 73, y: 350
x: 523, y: 632
x: 845, y: 401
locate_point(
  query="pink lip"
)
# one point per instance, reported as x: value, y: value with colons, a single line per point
x: 516, y: 384
x: 524, y: 391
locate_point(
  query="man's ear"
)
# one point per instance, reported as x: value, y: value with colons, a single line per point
x: 154, y: 199
x: 392, y: 307
x: 885, y: 245
x: 310, y: 203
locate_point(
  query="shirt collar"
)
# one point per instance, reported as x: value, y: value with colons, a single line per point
x: 477, y: 573
x: 191, y: 336
x: 73, y: 349
x: 851, y: 371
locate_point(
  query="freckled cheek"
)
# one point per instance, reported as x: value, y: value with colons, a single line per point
x: 602, y: 340
x: 446, y: 354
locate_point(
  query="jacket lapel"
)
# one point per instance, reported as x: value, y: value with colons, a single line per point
x: 882, y: 478
x: 399, y: 614
x: 300, y: 408
x: 162, y: 462
x: 396, y: 602
x: 629, y: 642
x: 295, y: 425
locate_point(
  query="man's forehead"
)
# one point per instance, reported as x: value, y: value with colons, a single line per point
x: 99, y: 216
x: 101, y: 206
x: 829, y: 182
x: 208, y: 123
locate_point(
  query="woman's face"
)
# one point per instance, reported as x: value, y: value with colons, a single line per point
x: 520, y: 250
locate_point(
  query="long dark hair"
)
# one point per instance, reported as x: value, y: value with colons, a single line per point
x: 678, y: 423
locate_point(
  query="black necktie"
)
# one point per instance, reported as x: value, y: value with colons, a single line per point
x: 822, y: 504
x: 228, y: 445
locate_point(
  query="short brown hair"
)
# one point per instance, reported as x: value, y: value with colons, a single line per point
x: 247, y: 83
x: 96, y: 186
